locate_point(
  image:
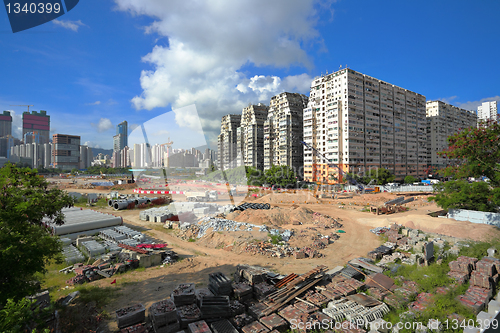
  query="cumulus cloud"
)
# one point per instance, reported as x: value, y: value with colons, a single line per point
x: 95, y: 103
x: 209, y: 45
x: 71, y: 25
x: 92, y: 144
x: 472, y: 105
x: 103, y: 125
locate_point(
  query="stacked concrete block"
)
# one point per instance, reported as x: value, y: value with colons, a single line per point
x: 480, y: 279
x: 188, y: 314
x: 92, y: 248
x: 129, y: 233
x: 131, y: 315
x: 199, y: 327
x: 184, y: 294
x: 274, y: 322
x: 255, y: 327
x: 223, y: 326
x: 488, y: 266
x: 476, y: 298
x: 163, y: 313
x: 112, y: 235
x: 72, y: 254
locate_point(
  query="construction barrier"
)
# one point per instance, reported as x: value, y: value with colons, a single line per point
x: 157, y: 192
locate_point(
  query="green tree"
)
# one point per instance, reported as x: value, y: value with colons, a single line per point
x: 461, y: 194
x: 280, y: 175
x: 473, y: 152
x: 410, y: 179
x: 25, y: 244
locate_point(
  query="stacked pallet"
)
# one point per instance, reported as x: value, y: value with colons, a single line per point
x: 242, y: 291
x: 297, y: 286
x: 290, y: 313
x: 199, y: 327
x: 257, y: 310
x: 214, y: 307
x: 163, y: 316
x: 188, y: 314
x: 252, y: 274
x: 242, y: 320
x: 219, y: 284
x: 274, y: 322
x: 316, y: 298
x: 261, y: 290
x: 223, y: 326
x: 131, y: 315
x: 139, y: 328
x: 305, y: 307
x: 236, y: 308
x: 184, y: 294
x: 255, y: 327
x: 201, y: 292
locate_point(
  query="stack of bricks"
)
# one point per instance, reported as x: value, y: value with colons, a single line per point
x: 378, y: 293
x: 316, y: 298
x: 476, y: 298
x: 461, y: 268
x: 139, y: 328
x: 305, y: 307
x: 424, y: 300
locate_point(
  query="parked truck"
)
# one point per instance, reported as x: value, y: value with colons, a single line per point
x: 202, y: 196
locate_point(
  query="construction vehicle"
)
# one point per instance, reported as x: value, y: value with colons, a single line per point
x: 202, y: 196
x: 330, y: 165
x: 234, y: 192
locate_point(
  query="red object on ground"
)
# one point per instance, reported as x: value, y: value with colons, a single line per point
x: 114, y: 281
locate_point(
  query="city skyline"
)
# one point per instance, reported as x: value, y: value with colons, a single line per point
x: 89, y: 79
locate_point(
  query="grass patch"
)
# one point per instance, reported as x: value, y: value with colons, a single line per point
x: 192, y: 240
x: 140, y: 269
x: 55, y: 281
x: 275, y: 239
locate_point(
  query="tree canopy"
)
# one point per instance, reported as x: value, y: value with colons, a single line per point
x: 380, y: 176
x: 25, y: 244
x: 410, y: 179
x: 474, y: 152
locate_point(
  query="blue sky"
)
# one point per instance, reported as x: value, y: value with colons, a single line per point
x: 107, y: 61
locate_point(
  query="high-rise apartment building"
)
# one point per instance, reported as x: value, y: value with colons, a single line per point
x: 5, y: 124
x: 120, y: 140
x: 444, y: 120
x: 360, y: 123
x: 86, y: 157
x: 66, y: 151
x: 487, y: 111
x: 250, y: 136
x: 227, y: 142
x: 37, y: 122
x: 283, y: 131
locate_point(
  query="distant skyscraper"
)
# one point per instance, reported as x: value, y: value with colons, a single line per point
x: 38, y: 122
x: 487, y: 111
x: 120, y: 140
x: 66, y: 151
x: 5, y: 124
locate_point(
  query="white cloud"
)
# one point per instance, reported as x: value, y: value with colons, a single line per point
x: 95, y: 103
x: 210, y: 42
x: 91, y: 144
x: 71, y: 25
x: 132, y: 127
x: 474, y: 104
x: 103, y: 125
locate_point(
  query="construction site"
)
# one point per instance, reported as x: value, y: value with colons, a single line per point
x: 218, y: 257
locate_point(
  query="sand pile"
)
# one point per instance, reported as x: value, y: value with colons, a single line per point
x: 275, y: 216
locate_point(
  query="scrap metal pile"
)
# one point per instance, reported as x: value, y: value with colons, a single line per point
x: 392, y: 206
x: 267, y: 303
x: 116, y: 262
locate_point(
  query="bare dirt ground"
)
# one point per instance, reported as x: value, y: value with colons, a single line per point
x: 201, y: 258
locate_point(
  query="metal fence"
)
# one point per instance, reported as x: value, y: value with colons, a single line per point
x: 408, y: 188
x: 474, y: 216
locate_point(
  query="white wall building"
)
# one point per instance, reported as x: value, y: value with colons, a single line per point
x: 444, y: 120
x: 362, y: 123
x: 487, y: 111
